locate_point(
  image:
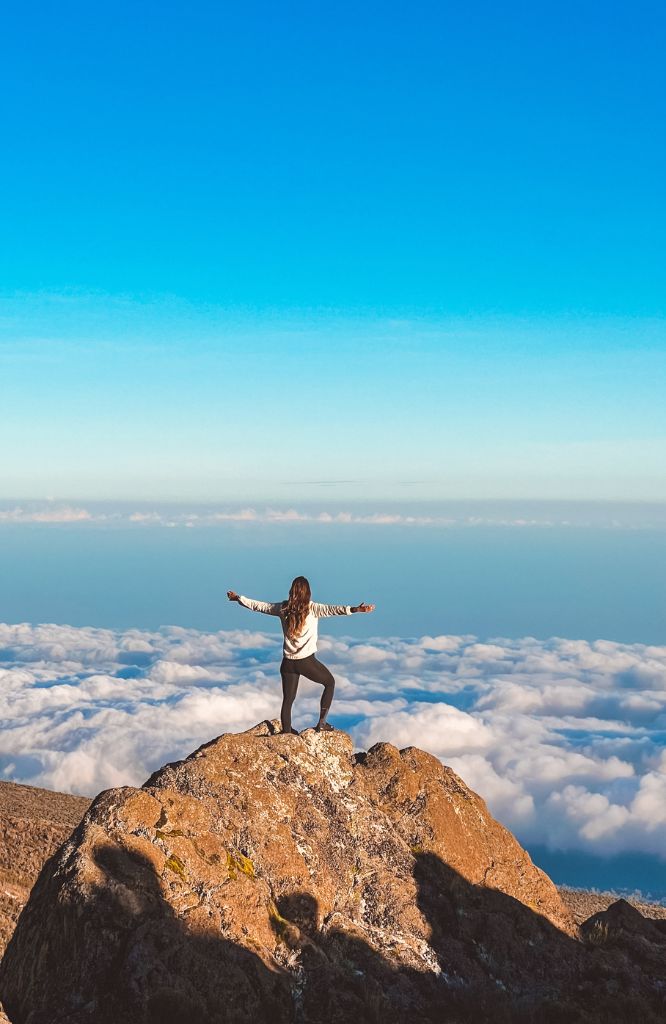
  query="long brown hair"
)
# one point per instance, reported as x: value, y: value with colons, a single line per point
x: 297, y: 606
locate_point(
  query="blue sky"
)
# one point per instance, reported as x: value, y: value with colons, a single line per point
x: 397, y: 250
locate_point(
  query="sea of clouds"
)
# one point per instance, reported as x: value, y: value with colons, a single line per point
x: 565, y: 740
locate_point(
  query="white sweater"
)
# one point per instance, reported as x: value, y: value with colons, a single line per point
x: 306, y: 643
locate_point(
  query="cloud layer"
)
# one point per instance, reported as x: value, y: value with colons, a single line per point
x: 545, y: 514
x: 566, y: 740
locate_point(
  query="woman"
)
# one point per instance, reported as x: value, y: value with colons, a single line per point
x: 299, y: 616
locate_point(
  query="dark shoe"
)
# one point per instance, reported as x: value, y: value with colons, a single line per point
x: 292, y: 732
x: 324, y: 727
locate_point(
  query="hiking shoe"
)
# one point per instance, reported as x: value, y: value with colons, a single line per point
x: 324, y: 727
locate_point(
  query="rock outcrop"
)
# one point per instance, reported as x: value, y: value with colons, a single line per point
x: 272, y: 878
x: 33, y: 825
x: 585, y: 904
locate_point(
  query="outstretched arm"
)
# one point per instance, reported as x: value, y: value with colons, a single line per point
x: 266, y: 607
x: 325, y: 611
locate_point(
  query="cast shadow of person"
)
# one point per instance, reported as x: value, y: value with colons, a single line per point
x: 497, y: 961
x: 344, y: 978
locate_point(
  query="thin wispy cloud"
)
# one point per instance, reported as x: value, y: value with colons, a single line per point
x: 610, y: 516
x: 48, y: 514
x: 564, y: 739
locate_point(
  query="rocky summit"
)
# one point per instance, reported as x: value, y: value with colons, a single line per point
x: 280, y: 878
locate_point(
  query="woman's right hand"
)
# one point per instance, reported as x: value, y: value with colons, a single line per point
x: 232, y: 595
x: 364, y: 607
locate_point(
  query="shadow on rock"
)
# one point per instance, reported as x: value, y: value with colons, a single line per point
x: 495, y: 961
x: 517, y: 967
x: 131, y: 959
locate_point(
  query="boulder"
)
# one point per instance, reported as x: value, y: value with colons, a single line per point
x: 281, y: 878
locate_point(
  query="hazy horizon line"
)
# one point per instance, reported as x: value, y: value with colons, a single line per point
x: 449, y: 513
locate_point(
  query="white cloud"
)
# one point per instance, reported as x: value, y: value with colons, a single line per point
x: 564, y: 739
x: 440, y: 728
x: 46, y: 514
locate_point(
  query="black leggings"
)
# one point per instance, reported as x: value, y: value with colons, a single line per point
x: 290, y: 670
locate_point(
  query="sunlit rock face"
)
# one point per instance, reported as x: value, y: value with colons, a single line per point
x: 279, y: 878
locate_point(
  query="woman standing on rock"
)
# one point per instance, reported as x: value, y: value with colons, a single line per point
x: 299, y: 616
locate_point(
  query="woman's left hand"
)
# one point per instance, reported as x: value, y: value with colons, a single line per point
x: 364, y: 607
